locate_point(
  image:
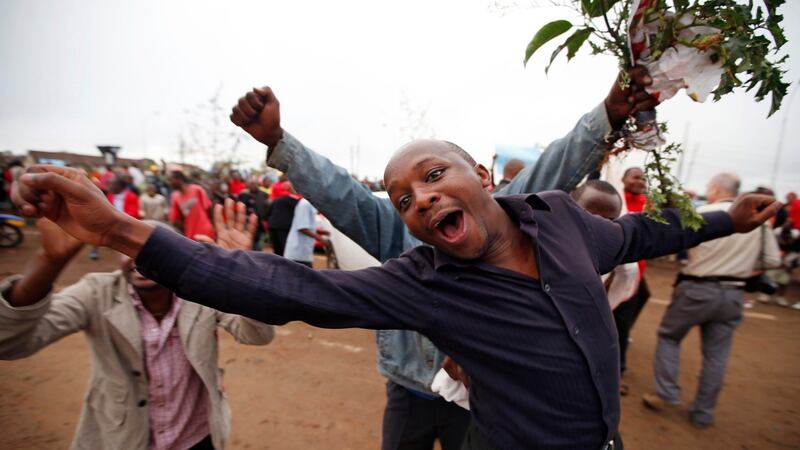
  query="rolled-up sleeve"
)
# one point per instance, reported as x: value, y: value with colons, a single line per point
x: 274, y: 290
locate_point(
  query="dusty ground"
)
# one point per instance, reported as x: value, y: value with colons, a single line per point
x: 315, y: 388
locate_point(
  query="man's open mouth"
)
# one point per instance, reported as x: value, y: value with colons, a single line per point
x: 451, y: 227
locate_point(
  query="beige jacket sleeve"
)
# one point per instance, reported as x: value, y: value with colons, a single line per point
x: 244, y: 330
x: 26, y: 330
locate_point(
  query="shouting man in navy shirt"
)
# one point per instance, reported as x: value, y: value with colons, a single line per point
x: 509, y: 289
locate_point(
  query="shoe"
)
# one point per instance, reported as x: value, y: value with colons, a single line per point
x: 781, y: 300
x: 656, y: 403
x: 763, y: 298
x: 697, y: 424
x: 796, y: 306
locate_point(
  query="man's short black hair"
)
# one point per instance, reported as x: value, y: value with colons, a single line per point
x: 179, y: 175
x: 628, y: 170
x: 598, y: 185
x: 462, y: 153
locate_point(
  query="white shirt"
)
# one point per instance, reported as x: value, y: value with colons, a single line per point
x: 736, y: 255
x: 300, y: 247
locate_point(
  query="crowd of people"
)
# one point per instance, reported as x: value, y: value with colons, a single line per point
x: 523, y: 293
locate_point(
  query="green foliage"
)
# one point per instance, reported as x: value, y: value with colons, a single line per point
x: 545, y: 34
x: 665, y: 191
x: 746, y: 40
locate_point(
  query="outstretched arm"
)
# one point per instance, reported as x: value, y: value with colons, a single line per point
x: 634, y: 236
x: 566, y: 161
x: 370, y: 221
x: 261, y: 286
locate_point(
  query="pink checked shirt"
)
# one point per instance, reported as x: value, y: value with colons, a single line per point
x: 177, y: 398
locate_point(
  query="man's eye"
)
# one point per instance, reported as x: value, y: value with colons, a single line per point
x: 404, y: 202
x: 434, y: 174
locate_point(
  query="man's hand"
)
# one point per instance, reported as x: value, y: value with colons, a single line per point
x: 622, y: 103
x: 455, y: 371
x: 57, y: 246
x: 235, y: 234
x: 259, y: 114
x: 70, y: 200
x: 749, y: 211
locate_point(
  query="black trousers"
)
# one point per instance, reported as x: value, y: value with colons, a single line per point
x: 414, y: 423
x: 474, y: 441
x: 625, y: 316
x: 277, y: 238
x: 205, y: 444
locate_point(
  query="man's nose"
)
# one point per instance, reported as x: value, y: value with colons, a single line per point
x: 425, y: 200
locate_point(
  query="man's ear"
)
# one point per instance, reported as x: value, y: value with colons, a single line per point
x: 485, y: 176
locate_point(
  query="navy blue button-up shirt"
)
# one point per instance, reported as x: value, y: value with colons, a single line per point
x: 542, y: 354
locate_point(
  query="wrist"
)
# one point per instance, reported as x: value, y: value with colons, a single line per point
x: 616, y: 118
x: 273, y: 139
x: 128, y: 235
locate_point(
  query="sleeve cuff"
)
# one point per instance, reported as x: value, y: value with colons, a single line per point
x: 165, y: 257
x: 281, y: 156
x: 718, y: 224
x: 33, y: 311
x: 599, y: 123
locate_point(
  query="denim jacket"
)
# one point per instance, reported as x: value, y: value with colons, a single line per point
x: 405, y: 357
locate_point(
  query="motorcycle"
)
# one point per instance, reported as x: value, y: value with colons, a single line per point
x: 11, y: 230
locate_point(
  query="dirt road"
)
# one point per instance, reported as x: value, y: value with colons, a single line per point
x: 319, y: 389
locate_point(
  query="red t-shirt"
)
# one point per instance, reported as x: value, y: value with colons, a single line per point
x: 794, y: 214
x: 191, y: 205
x: 236, y: 186
x: 278, y: 190
x: 635, y: 204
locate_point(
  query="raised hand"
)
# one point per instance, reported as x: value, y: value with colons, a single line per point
x: 621, y: 103
x: 259, y: 114
x: 68, y: 198
x: 57, y: 245
x: 749, y: 211
x: 237, y: 232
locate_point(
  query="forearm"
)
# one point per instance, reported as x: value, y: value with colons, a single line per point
x: 370, y: 221
x: 645, y: 239
x: 274, y: 290
x: 36, y: 282
x: 566, y: 161
x: 128, y: 235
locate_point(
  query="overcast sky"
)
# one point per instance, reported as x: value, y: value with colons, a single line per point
x: 349, y: 74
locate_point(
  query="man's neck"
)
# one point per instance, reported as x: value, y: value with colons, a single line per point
x: 157, y: 300
x: 509, y: 247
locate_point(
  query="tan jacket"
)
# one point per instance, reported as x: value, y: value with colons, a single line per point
x: 115, y: 414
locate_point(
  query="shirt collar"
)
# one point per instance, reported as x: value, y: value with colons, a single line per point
x: 521, y: 207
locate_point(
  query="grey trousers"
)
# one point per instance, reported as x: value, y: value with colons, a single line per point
x: 717, y: 310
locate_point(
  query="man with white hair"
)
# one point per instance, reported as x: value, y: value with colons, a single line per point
x: 709, y: 293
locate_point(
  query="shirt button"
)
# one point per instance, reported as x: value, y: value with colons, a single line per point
x: 142, y: 403
x: 546, y: 287
x: 576, y: 331
x: 136, y: 373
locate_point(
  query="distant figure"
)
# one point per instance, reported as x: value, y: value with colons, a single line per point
x: 303, y: 234
x: 236, y: 184
x: 279, y: 217
x: 256, y: 202
x: 123, y: 198
x: 190, y: 207
x: 218, y: 191
x: 635, y: 190
x: 154, y: 205
x: 510, y: 170
x: 279, y: 189
x: 709, y: 293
